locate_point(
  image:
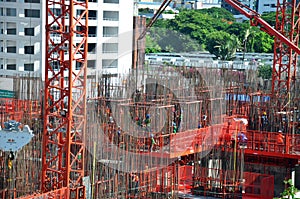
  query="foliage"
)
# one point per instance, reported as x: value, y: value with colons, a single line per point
x: 261, y: 42
x: 168, y: 12
x: 190, y: 31
x: 290, y: 190
x: 151, y: 45
x: 161, y: 23
x: 174, y: 41
x: 196, y: 24
x: 219, y: 13
x: 265, y: 72
x: 145, y: 10
x: 270, y: 18
x: 222, y: 45
x: 238, y: 29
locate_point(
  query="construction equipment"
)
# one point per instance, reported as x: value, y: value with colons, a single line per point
x: 205, y: 158
x: 65, y: 96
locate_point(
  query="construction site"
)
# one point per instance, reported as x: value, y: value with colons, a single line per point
x: 157, y: 132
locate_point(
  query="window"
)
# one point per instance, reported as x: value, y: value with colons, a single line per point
x: 32, y: 13
x: 55, y: 65
x: 79, y: 12
x: 56, y: 11
x: 91, y: 63
x: 11, y: 12
x: 29, y: 49
x: 92, y: 30
x: 11, y: 1
x: 11, y: 31
x: 92, y: 14
x: 29, y: 31
x: 1, y: 12
x: 32, y: 1
x: 11, y: 28
x: 1, y: 45
x: 109, y: 63
x: 111, y: 15
x: 92, y: 48
x: 11, y: 66
x: 110, y: 1
x: 110, y: 31
x: 109, y: 47
x: 28, y: 67
x: 1, y: 63
x: 78, y: 65
x: 11, y: 49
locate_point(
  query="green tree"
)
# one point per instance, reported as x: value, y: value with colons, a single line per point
x: 265, y: 72
x: 219, y: 13
x: 191, y: 29
x: 222, y: 45
x: 270, y: 18
x: 151, y: 45
x: 290, y: 190
x: 198, y: 24
x: 238, y: 29
x: 262, y: 42
x: 174, y: 41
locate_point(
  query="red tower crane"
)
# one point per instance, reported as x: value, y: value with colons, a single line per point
x: 64, y: 94
x: 286, y: 48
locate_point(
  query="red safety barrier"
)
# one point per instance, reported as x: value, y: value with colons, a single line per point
x: 63, y: 193
x: 258, y: 185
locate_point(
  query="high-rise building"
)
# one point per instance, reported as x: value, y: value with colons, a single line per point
x: 266, y: 6
x: 249, y: 3
x: 21, y: 35
x: 22, y: 32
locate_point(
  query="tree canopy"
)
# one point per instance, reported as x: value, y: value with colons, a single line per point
x: 192, y: 30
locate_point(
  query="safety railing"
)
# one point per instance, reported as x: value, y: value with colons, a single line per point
x: 275, y: 142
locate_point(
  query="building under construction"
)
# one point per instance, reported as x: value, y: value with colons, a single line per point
x: 157, y: 132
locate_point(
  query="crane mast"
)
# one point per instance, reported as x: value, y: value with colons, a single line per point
x: 285, y: 58
x: 64, y: 94
x: 286, y: 50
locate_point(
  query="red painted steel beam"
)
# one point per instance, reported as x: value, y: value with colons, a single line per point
x: 65, y: 94
x: 285, y: 57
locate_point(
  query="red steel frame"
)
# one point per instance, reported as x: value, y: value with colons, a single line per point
x: 285, y: 58
x: 65, y: 94
x: 286, y: 42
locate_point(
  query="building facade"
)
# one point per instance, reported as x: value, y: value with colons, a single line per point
x: 266, y: 6
x: 21, y: 35
x: 22, y: 32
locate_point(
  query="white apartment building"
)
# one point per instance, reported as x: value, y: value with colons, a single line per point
x: 266, y: 6
x: 22, y: 36
x: 110, y: 35
x: 21, y: 32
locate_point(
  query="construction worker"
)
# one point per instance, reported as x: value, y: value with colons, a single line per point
x: 264, y: 120
x: 242, y: 139
x: 227, y: 139
x: 119, y: 135
x: 152, y: 143
x: 135, y: 183
x: 147, y: 122
x: 174, y: 125
x: 280, y: 141
x: 138, y: 121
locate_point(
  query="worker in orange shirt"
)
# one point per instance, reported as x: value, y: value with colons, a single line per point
x: 280, y: 141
